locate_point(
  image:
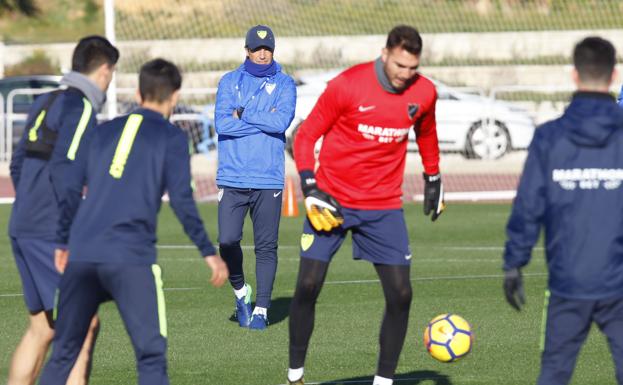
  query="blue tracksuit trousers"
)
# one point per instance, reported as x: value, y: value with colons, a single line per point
x: 137, y: 291
x: 265, y: 210
x: 567, y: 325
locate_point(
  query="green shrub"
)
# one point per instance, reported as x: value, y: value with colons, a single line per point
x: 36, y: 64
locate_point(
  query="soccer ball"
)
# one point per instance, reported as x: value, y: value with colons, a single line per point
x: 448, y: 337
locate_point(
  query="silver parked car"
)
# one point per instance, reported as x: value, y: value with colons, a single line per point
x: 473, y: 125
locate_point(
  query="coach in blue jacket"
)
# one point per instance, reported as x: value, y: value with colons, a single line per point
x: 572, y: 185
x: 254, y: 107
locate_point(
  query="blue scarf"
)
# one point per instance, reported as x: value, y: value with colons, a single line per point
x: 260, y: 70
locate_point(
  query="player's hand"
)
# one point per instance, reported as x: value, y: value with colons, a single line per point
x: 323, y: 211
x: 237, y: 113
x: 513, y: 288
x: 61, y: 256
x: 433, y: 196
x: 220, y: 273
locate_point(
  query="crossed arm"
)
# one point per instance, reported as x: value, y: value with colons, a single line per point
x: 229, y: 122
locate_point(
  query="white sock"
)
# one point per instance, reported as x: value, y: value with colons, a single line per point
x: 295, y: 374
x: 241, y: 292
x: 378, y: 380
x: 260, y: 310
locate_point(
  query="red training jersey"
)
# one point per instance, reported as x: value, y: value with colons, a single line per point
x: 365, y: 128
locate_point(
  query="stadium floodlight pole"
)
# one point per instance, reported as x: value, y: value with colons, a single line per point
x: 111, y: 94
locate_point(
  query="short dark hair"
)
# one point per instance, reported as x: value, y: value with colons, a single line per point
x: 405, y: 37
x: 594, y: 59
x: 158, y: 80
x: 91, y: 52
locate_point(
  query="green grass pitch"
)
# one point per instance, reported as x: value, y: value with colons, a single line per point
x: 456, y: 268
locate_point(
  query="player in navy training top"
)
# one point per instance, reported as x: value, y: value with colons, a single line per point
x: 571, y: 187
x: 130, y: 162
x: 56, y: 125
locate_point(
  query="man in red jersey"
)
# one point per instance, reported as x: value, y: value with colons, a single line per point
x: 365, y: 115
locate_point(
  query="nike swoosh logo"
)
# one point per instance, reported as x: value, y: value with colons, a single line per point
x: 367, y: 108
x: 408, y: 257
x: 276, y: 194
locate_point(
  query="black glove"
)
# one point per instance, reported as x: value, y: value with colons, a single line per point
x: 323, y: 211
x: 433, y: 196
x: 513, y: 288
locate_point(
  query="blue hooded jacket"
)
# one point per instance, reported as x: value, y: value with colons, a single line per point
x: 572, y: 186
x: 620, y: 99
x: 251, y: 149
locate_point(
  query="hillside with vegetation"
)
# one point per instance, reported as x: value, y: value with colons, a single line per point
x: 66, y: 20
x: 54, y: 21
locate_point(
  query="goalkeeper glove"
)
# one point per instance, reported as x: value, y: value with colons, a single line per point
x: 323, y: 211
x: 433, y: 196
x: 513, y: 288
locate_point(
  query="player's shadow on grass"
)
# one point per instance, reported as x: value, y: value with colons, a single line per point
x: 279, y: 310
x: 411, y: 378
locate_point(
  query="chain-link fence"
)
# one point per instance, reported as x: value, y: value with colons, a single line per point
x: 481, y: 32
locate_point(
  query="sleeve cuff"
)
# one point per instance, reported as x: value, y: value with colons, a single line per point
x: 207, y: 250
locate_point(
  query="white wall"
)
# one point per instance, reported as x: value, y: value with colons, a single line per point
x: 350, y: 49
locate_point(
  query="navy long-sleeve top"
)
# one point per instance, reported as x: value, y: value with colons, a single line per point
x: 129, y: 163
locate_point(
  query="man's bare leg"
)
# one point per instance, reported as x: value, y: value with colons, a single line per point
x: 82, y: 368
x: 31, y: 351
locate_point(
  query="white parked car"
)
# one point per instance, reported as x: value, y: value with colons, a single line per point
x: 473, y: 125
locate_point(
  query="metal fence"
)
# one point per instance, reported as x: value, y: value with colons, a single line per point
x: 11, y: 118
x: 195, y: 120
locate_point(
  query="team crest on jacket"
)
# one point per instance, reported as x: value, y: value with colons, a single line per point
x: 412, y: 109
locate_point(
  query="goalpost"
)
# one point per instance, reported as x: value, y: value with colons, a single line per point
x: 109, y: 17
